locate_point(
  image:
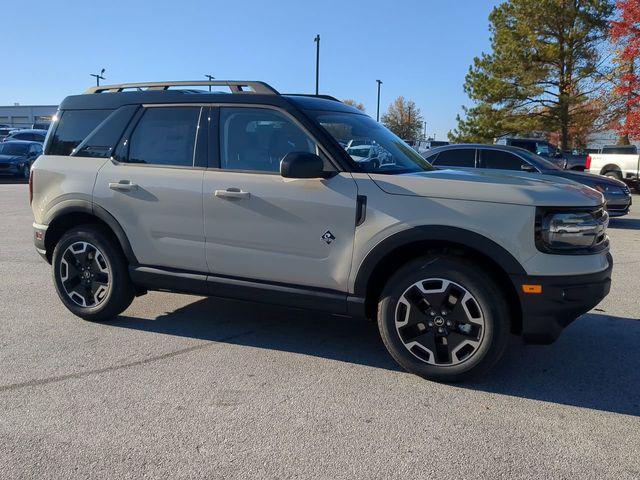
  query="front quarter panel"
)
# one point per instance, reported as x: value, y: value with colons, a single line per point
x: 510, y: 226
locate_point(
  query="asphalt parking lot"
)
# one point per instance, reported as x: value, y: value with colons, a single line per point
x: 189, y: 387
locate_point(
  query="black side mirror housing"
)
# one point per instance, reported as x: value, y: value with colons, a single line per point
x: 302, y: 165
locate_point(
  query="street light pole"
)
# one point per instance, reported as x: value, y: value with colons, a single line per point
x: 424, y: 135
x: 99, y: 76
x: 317, y: 40
x: 378, y: 109
x: 210, y: 77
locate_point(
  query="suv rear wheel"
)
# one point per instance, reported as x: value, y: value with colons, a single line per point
x: 442, y: 318
x: 91, y: 275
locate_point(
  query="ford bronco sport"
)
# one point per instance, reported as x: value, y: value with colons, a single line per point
x: 250, y: 195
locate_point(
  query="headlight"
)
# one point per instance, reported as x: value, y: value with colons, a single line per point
x: 565, y: 231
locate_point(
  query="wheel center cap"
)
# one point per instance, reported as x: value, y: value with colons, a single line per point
x: 86, y: 275
x: 439, y: 321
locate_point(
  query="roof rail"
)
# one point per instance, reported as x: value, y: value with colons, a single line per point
x: 235, y: 86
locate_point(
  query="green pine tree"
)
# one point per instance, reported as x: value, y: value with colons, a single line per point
x: 543, y: 69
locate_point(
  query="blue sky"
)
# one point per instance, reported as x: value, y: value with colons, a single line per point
x: 419, y: 49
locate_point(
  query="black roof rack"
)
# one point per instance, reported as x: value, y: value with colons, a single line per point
x: 236, y: 86
x: 312, y: 95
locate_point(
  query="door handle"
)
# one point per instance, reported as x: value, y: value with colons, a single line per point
x: 231, y: 193
x: 123, y: 186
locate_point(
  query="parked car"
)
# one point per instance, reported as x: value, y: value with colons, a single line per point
x: 17, y: 156
x: 29, y: 135
x: 373, y: 154
x: 498, y: 157
x: 621, y: 166
x: 251, y: 196
x: 4, y: 131
x: 539, y: 147
x: 423, y: 146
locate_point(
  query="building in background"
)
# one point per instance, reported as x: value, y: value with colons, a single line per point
x: 26, y: 116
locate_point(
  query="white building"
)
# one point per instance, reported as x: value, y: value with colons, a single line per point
x: 24, y: 116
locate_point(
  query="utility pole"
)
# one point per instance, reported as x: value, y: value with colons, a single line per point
x: 424, y: 134
x: 210, y: 78
x: 409, y: 123
x: 99, y: 76
x: 317, y: 40
x: 378, y: 109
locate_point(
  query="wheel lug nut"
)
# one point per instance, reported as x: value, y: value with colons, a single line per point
x: 440, y: 329
x: 448, y: 323
x: 430, y: 324
x: 444, y: 312
x: 432, y: 313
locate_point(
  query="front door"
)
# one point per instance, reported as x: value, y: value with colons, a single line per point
x: 261, y: 226
x: 154, y: 190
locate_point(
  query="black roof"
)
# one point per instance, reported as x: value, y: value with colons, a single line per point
x: 111, y: 101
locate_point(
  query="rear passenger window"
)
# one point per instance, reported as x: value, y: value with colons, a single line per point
x: 101, y: 142
x: 256, y: 139
x: 460, y: 157
x: 73, y: 127
x: 165, y: 136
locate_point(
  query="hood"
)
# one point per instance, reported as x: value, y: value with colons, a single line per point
x: 586, y: 178
x: 486, y: 186
x: 11, y: 158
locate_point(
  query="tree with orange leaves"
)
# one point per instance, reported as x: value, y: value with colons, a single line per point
x: 625, y: 33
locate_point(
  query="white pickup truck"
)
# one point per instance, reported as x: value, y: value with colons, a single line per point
x: 618, y: 162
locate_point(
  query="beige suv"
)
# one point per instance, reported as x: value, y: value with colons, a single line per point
x: 250, y: 195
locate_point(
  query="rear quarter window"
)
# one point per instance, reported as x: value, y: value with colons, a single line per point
x: 72, y: 128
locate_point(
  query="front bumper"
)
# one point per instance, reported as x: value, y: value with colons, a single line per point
x: 10, y: 168
x: 563, y: 299
x: 617, y: 206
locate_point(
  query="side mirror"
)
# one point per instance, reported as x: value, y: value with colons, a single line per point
x: 525, y: 167
x: 302, y: 165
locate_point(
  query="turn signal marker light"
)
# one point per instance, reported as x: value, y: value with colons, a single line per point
x: 534, y: 289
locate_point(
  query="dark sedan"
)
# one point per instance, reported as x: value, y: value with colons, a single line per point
x: 29, y: 134
x: 464, y: 156
x: 17, y: 156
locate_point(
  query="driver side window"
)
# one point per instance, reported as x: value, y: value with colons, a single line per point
x: 257, y: 139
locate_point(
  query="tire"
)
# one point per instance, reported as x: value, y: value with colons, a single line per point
x: 91, y: 275
x: 613, y: 174
x: 476, y: 334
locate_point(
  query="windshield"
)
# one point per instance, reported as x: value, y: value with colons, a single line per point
x: 384, y: 152
x: 13, y: 149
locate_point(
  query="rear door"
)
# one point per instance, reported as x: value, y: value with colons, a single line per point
x: 456, y: 158
x: 153, y: 187
x: 261, y: 226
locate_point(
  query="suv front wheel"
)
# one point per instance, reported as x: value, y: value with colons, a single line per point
x: 91, y: 275
x: 442, y: 318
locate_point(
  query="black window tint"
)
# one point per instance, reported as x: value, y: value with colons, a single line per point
x: 531, y: 146
x: 101, y: 142
x: 165, y: 136
x: 460, y: 157
x: 501, y: 160
x: 258, y: 138
x: 73, y: 127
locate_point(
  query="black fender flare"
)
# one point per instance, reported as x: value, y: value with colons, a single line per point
x: 438, y: 233
x: 77, y: 205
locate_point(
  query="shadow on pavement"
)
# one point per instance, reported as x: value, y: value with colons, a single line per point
x: 625, y: 223
x: 595, y: 363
